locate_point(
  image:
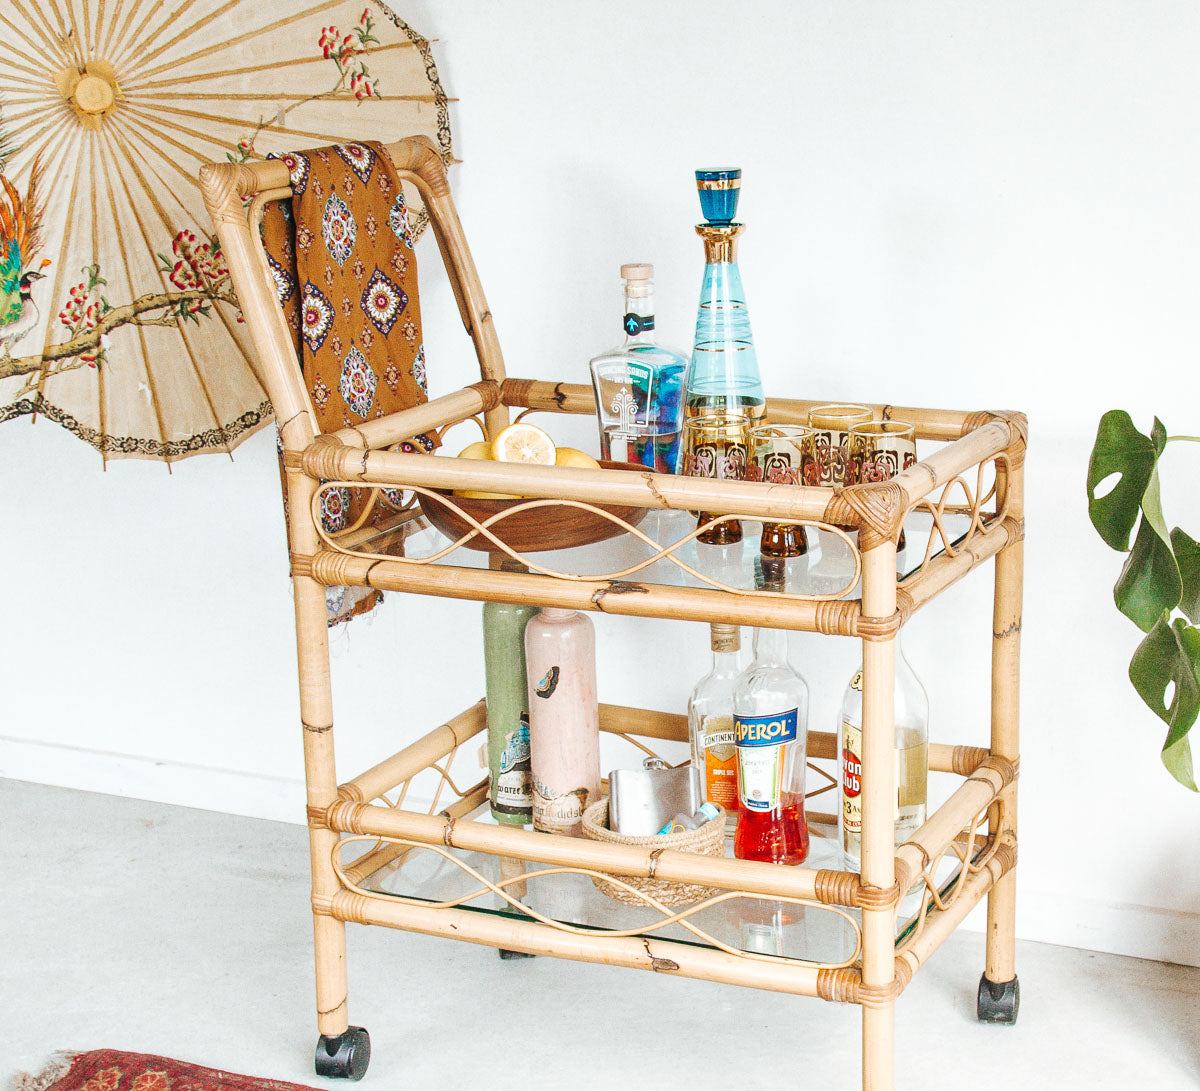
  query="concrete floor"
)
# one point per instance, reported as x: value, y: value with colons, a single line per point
x: 160, y: 929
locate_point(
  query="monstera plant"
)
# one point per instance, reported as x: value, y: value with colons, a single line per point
x: 1159, y: 585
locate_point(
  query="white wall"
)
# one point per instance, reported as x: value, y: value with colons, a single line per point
x: 948, y: 204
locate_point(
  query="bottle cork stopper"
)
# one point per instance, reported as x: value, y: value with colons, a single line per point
x: 637, y: 270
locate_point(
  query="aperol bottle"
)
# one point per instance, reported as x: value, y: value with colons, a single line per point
x: 770, y: 718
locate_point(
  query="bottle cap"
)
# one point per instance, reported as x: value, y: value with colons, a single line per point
x: 724, y: 638
x: 637, y: 270
x: 719, y: 190
x: 708, y: 811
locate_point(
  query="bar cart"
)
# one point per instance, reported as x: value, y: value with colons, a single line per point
x: 447, y: 870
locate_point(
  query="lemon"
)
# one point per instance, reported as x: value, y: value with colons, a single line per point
x: 572, y: 456
x: 479, y: 449
x: 525, y: 443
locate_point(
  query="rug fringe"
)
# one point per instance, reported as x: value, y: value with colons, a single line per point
x: 56, y: 1068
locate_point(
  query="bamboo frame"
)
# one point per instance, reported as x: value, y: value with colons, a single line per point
x: 235, y: 195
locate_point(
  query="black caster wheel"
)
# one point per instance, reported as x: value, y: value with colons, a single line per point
x: 343, y: 1056
x: 506, y: 955
x: 998, y: 1003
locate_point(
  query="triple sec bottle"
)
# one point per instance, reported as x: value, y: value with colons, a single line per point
x: 710, y: 719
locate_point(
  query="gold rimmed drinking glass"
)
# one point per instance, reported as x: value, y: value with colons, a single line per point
x: 781, y: 454
x: 716, y: 446
x: 831, y: 426
x: 879, y: 450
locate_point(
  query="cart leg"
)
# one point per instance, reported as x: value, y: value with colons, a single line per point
x: 878, y: 832
x: 999, y: 992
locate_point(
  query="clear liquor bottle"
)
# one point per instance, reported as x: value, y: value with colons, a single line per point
x: 911, y: 757
x: 710, y: 720
x: 770, y: 715
x: 639, y: 385
x: 723, y: 375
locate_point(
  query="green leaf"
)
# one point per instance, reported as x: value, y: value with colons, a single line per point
x: 1149, y: 584
x: 1119, y: 448
x: 1171, y: 654
x: 1187, y: 557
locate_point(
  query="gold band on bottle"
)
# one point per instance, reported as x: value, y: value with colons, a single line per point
x: 718, y: 183
x: 720, y: 242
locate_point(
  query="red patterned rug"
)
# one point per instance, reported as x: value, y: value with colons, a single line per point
x: 112, y: 1070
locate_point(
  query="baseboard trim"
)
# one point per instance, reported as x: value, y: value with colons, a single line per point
x: 1121, y: 928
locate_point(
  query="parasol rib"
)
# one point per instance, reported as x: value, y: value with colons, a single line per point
x: 42, y: 74
x: 88, y: 44
x: 279, y: 24
x: 312, y: 58
x: 106, y: 46
x: 238, y: 124
x: 67, y: 34
x: 128, y: 138
x: 138, y: 39
x: 181, y: 324
x: 130, y: 153
x: 101, y: 372
x: 124, y: 36
x: 143, y: 38
x: 120, y: 237
x: 44, y: 31
x: 267, y: 97
x: 14, y: 29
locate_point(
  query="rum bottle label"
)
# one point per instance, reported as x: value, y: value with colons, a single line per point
x: 762, y: 743
x: 851, y: 779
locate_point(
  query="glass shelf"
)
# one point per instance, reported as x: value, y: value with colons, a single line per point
x: 760, y: 926
x: 824, y: 570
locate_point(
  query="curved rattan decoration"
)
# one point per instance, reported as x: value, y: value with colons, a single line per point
x: 664, y: 553
x: 982, y: 522
x: 970, y: 863
x: 679, y: 917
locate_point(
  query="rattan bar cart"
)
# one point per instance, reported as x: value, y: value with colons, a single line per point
x: 967, y: 496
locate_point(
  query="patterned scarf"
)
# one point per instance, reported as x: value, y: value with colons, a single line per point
x: 346, y: 275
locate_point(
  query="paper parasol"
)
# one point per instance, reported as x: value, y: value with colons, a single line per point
x: 117, y: 316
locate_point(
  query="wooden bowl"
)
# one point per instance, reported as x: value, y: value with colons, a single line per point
x: 551, y: 526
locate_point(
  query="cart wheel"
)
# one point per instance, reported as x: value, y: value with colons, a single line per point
x: 506, y: 955
x: 343, y: 1056
x: 998, y: 1002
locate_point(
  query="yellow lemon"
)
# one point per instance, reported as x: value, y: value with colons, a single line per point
x: 479, y: 449
x: 572, y: 456
x: 523, y: 442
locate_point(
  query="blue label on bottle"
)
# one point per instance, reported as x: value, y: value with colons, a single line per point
x: 765, y: 730
x: 637, y: 323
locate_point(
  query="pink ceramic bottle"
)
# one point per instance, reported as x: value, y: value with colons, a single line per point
x: 564, y: 718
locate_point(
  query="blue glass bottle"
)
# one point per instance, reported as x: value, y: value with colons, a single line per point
x: 723, y: 376
x: 639, y: 385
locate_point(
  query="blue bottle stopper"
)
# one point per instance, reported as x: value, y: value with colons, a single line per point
x: 719, y: 191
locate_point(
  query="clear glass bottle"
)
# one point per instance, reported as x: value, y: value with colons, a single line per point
x: 564, y: 718
x: 911, y: 756
x: 770, y: 715
x: 639, y: 385
x: 723, y: 375
x: 710, y: 720
x: 510, y: 779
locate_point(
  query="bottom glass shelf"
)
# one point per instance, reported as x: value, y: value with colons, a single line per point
x: 826, y: 935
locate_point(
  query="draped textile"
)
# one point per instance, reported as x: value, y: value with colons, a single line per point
x: 346, y: 276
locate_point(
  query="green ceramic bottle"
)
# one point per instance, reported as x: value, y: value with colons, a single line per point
x: 510, y: 791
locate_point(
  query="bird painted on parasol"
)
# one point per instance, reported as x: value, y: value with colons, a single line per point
x: 20, y: 239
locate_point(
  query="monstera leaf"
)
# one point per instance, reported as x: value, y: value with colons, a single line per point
x: 1161, y: 574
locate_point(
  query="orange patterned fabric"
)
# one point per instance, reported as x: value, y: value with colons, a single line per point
x: 114, y: 1070
x: 346, y: 275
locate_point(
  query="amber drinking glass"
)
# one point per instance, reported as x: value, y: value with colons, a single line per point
x: 831, y: 426
x: 782, y: 454
x: 878, y: 451
x: 716, y: 446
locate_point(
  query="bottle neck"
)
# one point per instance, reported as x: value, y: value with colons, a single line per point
x: 720, y: 242
x: 638, y: 320
x: 770, y: 646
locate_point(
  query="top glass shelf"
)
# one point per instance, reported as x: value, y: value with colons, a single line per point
x: 826, y: 569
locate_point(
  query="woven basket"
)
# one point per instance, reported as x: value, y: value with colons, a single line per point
x: 708, y: 840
